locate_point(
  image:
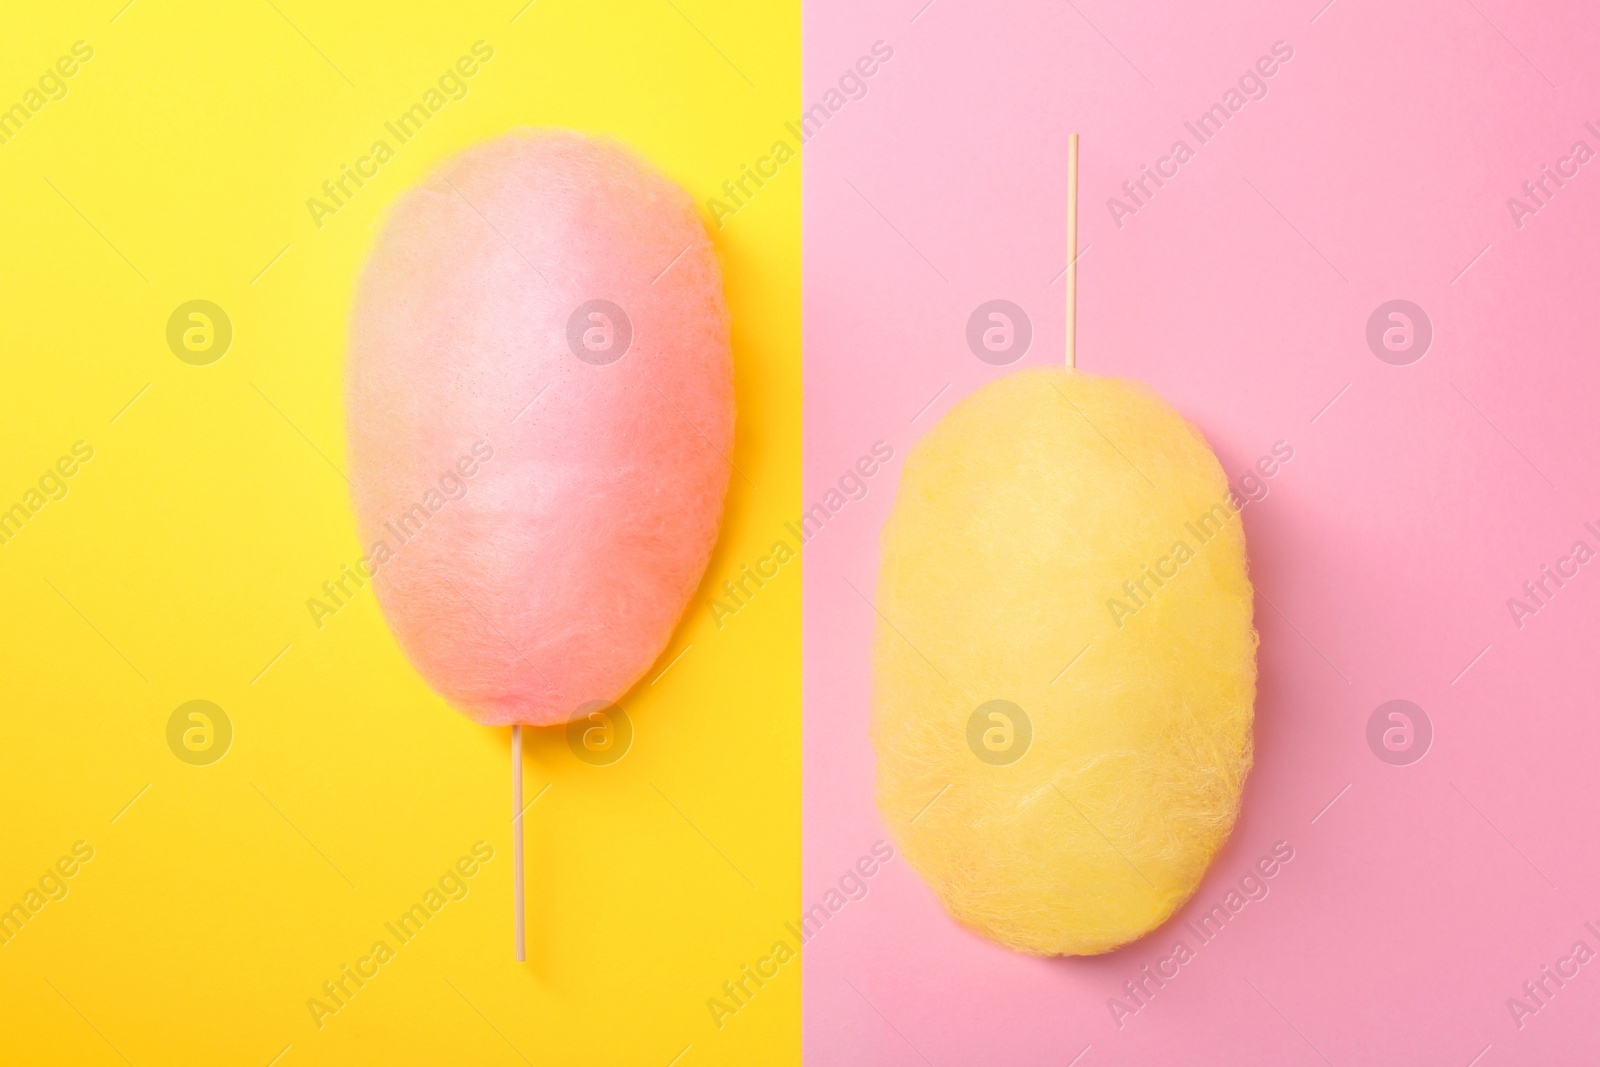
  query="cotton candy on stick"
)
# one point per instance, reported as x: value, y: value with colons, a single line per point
x: 1079, y: 813
x: 540, y: 396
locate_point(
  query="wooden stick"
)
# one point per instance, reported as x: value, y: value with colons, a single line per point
x: 516, y: 841
x: 1072, y: 251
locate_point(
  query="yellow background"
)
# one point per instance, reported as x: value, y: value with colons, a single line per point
x: 179, y: 565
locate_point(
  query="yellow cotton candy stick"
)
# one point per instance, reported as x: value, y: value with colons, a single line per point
x: 1064, y: 661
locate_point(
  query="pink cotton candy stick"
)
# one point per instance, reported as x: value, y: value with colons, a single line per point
x: 540, y: 394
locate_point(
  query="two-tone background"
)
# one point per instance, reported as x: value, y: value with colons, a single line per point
x: 189, y: 884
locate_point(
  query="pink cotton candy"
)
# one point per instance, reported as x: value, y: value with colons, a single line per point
x: 538, y: 491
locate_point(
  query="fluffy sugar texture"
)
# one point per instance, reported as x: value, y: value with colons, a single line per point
x: 1018, y: 519
x: 553, y: 574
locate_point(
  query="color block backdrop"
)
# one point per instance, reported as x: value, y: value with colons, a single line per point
x: 1426, y: 859
x: 186, y: 883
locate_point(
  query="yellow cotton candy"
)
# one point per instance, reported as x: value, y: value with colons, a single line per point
x: 1060, y: 754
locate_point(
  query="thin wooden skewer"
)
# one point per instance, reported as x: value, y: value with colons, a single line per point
x: 516, y: 841
x: 1072, y: 251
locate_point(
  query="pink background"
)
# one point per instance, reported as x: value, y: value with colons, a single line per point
x: 1378, y: 167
